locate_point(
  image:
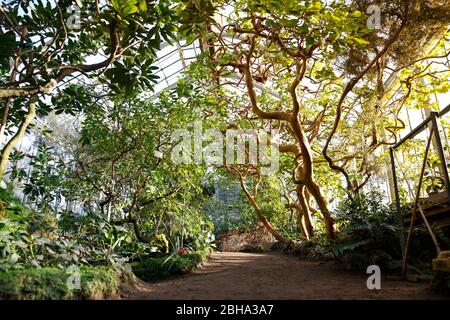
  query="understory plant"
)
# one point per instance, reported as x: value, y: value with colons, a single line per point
x: 369, y: 231
x: 162, y: 267
x: 41, y: 239
x: 51, y: 284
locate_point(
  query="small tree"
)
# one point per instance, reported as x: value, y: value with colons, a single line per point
x: 47, y: 44
x: 123, y: 163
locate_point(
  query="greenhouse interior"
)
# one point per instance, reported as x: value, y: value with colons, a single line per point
x: 225, y: 150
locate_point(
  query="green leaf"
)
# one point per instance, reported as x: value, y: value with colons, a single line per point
x: 356, y: 14
x: 130, y: 10
x: 13, y: 258
x: 143, y: 6
x: 115, y: 4
x: 271, y: 23
x: 304, y: 29
x: 361, y: 41
x: 310, y: 41
x: 291, y: 23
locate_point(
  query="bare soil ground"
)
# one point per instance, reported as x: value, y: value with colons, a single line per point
x: 273, y: 276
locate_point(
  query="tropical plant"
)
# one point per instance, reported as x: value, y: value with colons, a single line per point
x: 369, y: 231
x: 52, y: 43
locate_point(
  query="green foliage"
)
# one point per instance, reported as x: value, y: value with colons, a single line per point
x: 124, y: 158
x: 51, y: 284
x: 433, y: 182
x: 422, y: 250
x: 12, y: 208
x: 162, y: 267
x: 15, y: 172
x: 194, y: 16
x: 368, y: 231
x: 238, y: 216
x: 369, y: 234
x: 7, y: 48
x: 45, y: 181
x: 22, y: 248
x: 54, y: 40
x: 73, y: 100
x: 273, y: 205
x: 40, y: 239
x: 441, y: 282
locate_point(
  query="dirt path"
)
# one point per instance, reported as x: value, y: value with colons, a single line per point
x: 275, y: 276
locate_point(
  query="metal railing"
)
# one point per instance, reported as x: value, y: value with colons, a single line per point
x: 432, y: 123
x: 432, y: 119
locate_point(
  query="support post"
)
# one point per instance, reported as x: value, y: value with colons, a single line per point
x: 397, y: 202
x: 416, y: 206
x: 441, y: 154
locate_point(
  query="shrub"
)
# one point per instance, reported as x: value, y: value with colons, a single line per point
x: 12, y: 208
x: 162, y: 267
x: 441, y: 282
x: 31, y: 239
x: 51, y: 283
x: 369, y: 232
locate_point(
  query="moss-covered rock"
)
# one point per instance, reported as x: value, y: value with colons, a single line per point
x: 52, y: 284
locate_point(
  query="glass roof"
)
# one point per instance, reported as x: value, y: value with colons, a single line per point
x: 172, y: 60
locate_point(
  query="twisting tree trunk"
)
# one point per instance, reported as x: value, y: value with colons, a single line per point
x: 264, y: 220
x: 298, y: 132
x: 150, y: 238
x: 7, y: 149
x: 301, y: 221
x: 251, y: 198
x: 307, y: 156
x: 306, y: 210
x: 301, y: 225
